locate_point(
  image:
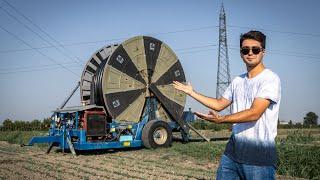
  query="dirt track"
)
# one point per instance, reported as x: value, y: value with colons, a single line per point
x: 33, y: 163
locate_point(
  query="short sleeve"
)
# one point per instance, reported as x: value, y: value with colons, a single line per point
x: 228, y: 93
x: 270, y: 89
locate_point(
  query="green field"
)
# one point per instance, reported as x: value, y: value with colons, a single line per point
x: 298, y: 150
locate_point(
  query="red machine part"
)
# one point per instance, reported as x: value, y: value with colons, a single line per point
x: 88, y: 113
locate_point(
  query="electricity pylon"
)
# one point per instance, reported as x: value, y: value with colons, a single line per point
x: 223, y: 74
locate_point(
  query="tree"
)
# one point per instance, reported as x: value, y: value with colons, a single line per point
x: 290, y: 124
x: 35, y: 125
x: 7, y: 124
x: 45, y: 125
x: 311, y: 119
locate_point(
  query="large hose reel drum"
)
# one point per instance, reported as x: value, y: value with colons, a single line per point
x: 121, y: 77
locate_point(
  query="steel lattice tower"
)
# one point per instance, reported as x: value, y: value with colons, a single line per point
x: 223, y: 74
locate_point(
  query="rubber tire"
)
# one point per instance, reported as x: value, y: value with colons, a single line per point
x: 148, y: 130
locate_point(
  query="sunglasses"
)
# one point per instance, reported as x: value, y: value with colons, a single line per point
x: 255, y: 50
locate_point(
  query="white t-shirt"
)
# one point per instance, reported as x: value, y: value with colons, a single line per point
x: 256, y: 135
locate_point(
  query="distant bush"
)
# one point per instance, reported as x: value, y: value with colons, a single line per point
x: 292, y: 125
x: 296, y: 126
x: 204, y: 125
x: 18, y: 125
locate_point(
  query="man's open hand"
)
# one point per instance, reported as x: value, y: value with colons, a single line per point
x: 188, y: 89
x: 212, y: 116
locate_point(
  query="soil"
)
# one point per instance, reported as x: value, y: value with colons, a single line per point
x: 33, y: 163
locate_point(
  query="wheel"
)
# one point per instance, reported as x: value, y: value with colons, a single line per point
x: 156, y: 133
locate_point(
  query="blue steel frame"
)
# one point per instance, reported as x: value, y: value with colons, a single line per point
x: 59, y: 136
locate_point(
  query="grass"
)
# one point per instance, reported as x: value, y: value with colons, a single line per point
x: 20, y: 137
x: 299, y: 161
x: 298, y: 154
x: 300, y: 137
x: 200, y: 150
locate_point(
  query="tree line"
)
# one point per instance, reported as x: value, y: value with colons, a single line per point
x: 310, y: 121
x: 35, y: 125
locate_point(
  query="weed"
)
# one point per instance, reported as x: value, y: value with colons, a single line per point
x: 299, y: 161
x: 297, y: 156
x: 300, y: 137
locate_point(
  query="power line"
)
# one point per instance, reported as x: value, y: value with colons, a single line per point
x: 314, y: 56
x: 110, y: 40
x: 285, y: 54
x: 53, y: 67
x: 238, y: 49
x: 318, y: 60
x: 179, y: 31
x: 29, y: 68
x: 48, y: 47
x: 283, y: 32
x: 200, y: 50
x: 39, y: 28
x: 194, y: 49
x: 291, y: 53
x: 185, y: 30
x: 40, y: 36
x: 30, y: 46
x: 34, y: 70
x: 32, y: 67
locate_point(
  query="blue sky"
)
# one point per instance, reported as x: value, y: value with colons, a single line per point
x: 33, y: 84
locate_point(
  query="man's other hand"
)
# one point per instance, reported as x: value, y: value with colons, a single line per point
x: 212, y: 116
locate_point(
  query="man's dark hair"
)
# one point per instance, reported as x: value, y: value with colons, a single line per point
x: 255, y: 35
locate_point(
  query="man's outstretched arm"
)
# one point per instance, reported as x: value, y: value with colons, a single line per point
x: 258, y: 107
x: 212, y: 103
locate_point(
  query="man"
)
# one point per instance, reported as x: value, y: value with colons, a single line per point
x: 255, y: 98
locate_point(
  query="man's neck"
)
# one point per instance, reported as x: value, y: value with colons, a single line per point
x: 254, y: 71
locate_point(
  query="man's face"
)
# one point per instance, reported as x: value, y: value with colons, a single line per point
x: 251, y: 59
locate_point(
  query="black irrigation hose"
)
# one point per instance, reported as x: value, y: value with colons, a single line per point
x: 97, y: 85
x: 201, y: 139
